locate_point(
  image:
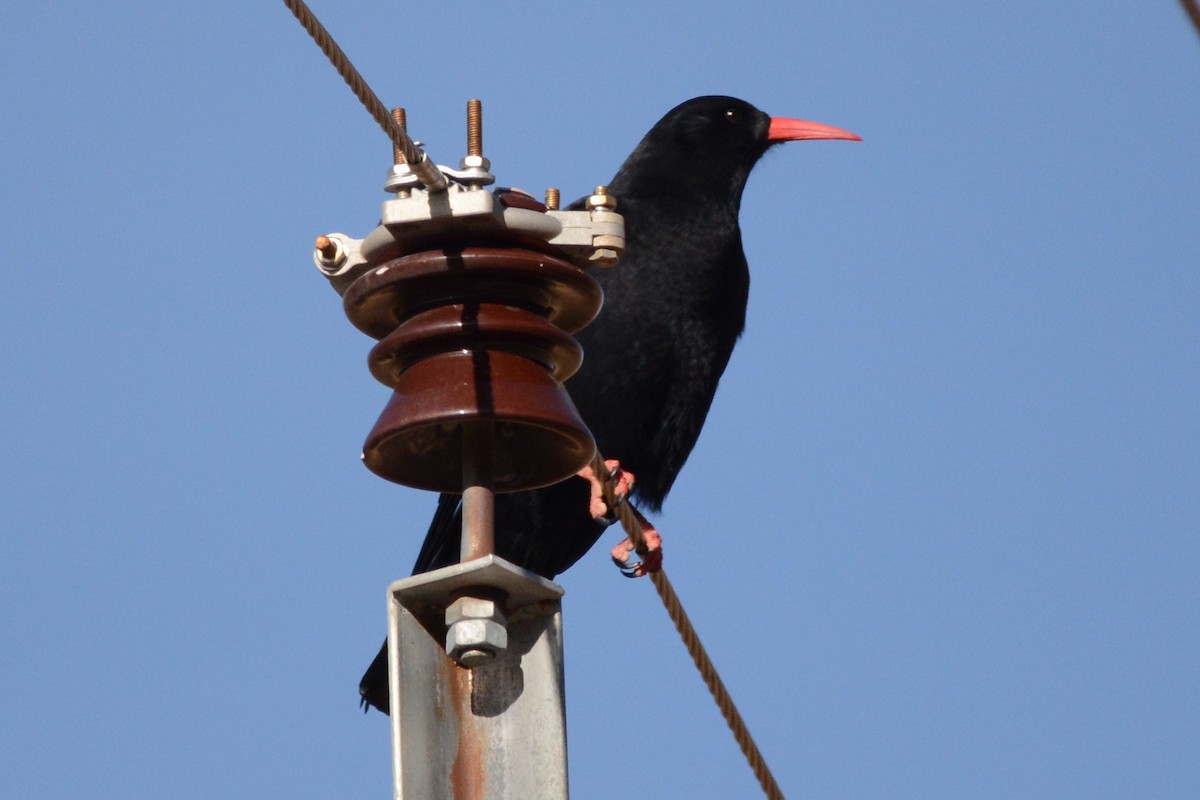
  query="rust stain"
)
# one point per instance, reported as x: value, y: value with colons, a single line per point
x: 467, y: 775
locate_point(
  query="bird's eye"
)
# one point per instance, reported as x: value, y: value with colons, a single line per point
x: 731, y: 115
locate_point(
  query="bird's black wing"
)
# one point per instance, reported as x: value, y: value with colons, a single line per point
x: 441, y: 545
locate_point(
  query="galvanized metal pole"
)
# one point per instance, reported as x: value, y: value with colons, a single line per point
x: 496, y: 731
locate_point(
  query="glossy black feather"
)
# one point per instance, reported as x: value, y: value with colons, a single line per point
x: 674, y: 307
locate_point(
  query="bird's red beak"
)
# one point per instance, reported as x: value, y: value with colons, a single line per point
x: 783, y: 129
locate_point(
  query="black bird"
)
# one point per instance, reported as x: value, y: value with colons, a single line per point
x: 674, y: 307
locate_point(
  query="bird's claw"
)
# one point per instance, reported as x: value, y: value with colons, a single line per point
x: 622, y: 484
x: 651, y: 553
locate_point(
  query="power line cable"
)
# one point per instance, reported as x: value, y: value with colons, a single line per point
x: 418, y: 162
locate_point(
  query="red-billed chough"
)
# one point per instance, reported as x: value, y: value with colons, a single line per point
x: 673, y: 309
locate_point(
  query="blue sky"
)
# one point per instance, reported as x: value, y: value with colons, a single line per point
x: 941, y: 534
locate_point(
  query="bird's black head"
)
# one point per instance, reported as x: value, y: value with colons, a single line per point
x: 708, y: 145
x: 710, y: 130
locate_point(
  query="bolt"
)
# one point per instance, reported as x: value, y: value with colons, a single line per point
x: 476, y: 631
x: 552, y: 199
x: 473, y: 162
x: 402, y: 120
x: 329, y: 249
x: 606, y: 247
x: 474, y: 127
x: 600, y: 198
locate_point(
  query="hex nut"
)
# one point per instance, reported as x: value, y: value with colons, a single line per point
x: 476, y: 632
x: 601, y: 199
x: 475, y: 608
x: 328, y: 251
x: 604, y: 257
x: 469, y: 162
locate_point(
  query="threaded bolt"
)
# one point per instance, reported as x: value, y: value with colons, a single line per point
x: 402, y: 120
x: 476, y: 630
x: 552, y: 199
x: 328, y: 248
x: 600, y: 198
x: 474, y: 127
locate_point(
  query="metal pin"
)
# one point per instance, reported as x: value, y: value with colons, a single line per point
x: 328, y: 248
x: 402, y: 120
x: 474, y: 127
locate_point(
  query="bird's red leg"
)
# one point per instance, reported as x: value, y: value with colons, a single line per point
x: 622, y: 484
x: 622, y: 554
x: 652, y: 558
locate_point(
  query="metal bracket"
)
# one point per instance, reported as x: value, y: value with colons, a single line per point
x: 595, y: 237
x: 494, y: 731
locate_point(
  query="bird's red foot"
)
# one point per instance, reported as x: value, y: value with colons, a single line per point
x: 652, y: 555
x: 622, y: 554
x: 622, y: 485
